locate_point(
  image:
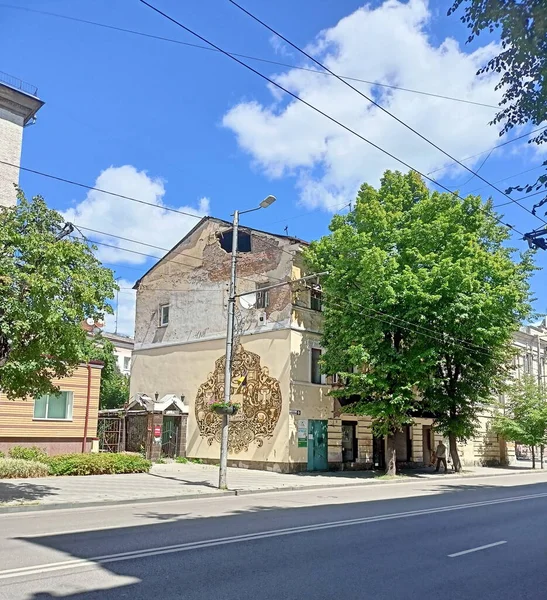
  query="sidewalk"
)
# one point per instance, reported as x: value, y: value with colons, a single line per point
x: 178, y: 481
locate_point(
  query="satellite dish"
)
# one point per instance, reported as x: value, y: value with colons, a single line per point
x: 248, y: 300
x: 90, y: 321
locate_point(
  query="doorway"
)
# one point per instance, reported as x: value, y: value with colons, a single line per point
x: 317, y: 445
x: 427, y: 444
x: 379, y: 452
x: 170, y: 437
x: 349, y: 442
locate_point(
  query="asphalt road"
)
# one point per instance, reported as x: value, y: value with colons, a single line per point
x: 455, y: 540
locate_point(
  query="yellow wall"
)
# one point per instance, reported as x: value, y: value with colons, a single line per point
x: 16, y: 416
x: 182, y: 369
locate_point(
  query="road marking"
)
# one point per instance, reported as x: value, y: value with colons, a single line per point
x: 477, y: 549
x: 146, y: 552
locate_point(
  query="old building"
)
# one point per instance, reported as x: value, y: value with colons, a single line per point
x: 18, y: 107
x: 123, y: 349
x: 288, y: 421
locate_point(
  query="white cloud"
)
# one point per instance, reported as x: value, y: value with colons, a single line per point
x: 126, y: 310
x: 389, y: 44
x: 131, y: 220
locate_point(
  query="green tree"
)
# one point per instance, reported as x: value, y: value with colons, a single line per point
x: 422, y: 299
x: 524, y: 418
x: 49, y: 284
x: 522, y: 61
x: 114, y: 384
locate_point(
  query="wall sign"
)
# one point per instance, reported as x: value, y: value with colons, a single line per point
x: 302, y: 434
x: 157, y: 431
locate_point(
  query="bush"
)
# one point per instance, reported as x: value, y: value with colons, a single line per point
x: 2, y: 455
x: 33, y: 453
x: 97, y: 464
x: 17, y: 467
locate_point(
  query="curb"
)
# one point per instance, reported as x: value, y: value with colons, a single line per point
x: 22, y: 508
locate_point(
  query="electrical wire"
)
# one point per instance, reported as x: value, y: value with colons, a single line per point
x: 515, y: 139
x: 96, y: 189
x: 382, y: 108
x: 314, y: 108
x: 264, y: 60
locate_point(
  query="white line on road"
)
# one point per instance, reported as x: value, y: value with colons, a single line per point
x: 477, y: 549
x: 145, y: 552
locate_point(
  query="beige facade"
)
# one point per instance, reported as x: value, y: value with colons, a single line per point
x: 17, y: 108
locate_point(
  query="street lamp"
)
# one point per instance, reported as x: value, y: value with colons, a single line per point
x: 268, y: 201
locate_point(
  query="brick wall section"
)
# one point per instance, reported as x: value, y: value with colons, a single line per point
x: 11, y: 139
x: 183, y: 433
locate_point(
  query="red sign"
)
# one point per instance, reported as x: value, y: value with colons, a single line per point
x: 157, y: 431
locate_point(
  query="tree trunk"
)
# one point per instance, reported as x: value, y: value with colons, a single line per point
x: 454, y: 453
x: 391, y: 456
x: 533, y: 457
x: 541, y: 455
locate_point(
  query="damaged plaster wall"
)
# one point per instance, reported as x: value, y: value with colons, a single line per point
x: 193, y: 280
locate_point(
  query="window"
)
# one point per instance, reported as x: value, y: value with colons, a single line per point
x: 126, y: 363
x: 164, y: 315
x: 262, y: 297
x: 54, y: 406
x: 316, y: 376
x: 316, y: 298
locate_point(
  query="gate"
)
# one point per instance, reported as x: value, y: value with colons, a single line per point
x: 170, y: 437
x: 137, y: 429
x: 110, y: 434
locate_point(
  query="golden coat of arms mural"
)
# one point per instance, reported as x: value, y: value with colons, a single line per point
x: 258, y: 395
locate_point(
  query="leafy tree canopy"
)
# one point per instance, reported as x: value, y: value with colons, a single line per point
x: 522, y: 62
x: 49, y: 284
x: 422, y: 299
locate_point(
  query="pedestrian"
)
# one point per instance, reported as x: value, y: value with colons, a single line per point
x: 441, y: 457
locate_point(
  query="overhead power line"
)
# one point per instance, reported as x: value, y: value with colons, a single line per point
x: 259, y: 59
x: 314, y: 108
x: 515, y: 139
x: 96, y: 189
x: 383, y: 109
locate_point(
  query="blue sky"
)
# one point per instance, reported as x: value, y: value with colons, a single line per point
x: 191, y: 129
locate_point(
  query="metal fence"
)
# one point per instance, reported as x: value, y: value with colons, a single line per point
x: 18, y: 84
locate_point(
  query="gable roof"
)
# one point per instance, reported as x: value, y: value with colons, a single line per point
x: 200, y: 224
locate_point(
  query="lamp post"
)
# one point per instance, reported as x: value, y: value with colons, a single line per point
x: 222, y: 484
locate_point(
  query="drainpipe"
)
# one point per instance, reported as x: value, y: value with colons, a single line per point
x: 84, y: 439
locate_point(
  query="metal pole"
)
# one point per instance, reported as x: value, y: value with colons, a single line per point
x: 539, y: 359
x: 222, y: 483
x: 117, y: 305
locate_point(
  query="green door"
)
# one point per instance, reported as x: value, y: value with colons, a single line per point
x: 317, y: 446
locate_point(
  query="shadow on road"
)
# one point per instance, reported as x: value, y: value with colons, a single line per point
x: 187, y: 575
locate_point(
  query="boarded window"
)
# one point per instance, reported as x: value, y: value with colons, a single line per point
x: 262, y: 296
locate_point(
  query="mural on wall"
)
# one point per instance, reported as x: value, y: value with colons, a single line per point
x: 259, y: 398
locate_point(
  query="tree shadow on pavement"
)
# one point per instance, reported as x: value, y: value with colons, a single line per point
x: 160, y: 559
x: 21, y: 492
